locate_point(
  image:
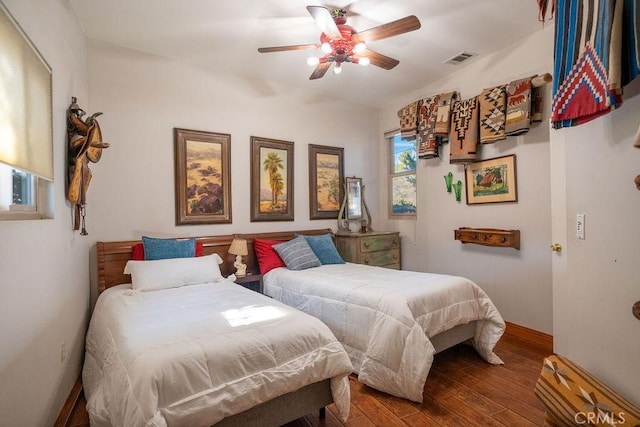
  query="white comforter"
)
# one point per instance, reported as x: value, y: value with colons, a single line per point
x: 194, y: 355
x: 384, y: 318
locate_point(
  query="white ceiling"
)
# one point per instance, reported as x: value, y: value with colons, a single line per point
x: 224, y: 36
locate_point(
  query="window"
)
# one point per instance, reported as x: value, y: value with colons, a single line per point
x: 402, y: 175
x: 18, y: 191
x: 26, y: 126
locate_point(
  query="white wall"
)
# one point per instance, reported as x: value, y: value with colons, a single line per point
x: 144, y: 97
x: 594, y: 325
x: 519, y: 282
x: 44, y: 265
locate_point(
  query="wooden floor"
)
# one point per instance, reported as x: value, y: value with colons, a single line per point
x: 461, y: 390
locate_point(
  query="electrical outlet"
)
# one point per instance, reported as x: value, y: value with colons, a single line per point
x: 63, y: 351
x: 580, y: 226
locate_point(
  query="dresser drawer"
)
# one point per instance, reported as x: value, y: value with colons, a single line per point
x: 381, y: 258
x: 379, y: 243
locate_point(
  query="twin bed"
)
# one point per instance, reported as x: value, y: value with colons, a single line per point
x: 218, y: 353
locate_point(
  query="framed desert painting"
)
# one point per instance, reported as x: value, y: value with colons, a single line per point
x: 491, y: 180
x: 271, y: 179
x: 326, y: 174
x: 202, y: 177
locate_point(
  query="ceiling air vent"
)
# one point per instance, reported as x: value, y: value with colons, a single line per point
x: 460, y: 58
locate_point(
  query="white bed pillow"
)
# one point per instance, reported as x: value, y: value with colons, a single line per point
x: 173, y: 272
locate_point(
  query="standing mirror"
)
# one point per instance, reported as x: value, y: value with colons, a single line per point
x: 354, y: 198
x: 354, y: 208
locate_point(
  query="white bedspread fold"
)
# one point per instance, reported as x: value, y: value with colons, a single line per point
x: 384, y: 318
x: 194, y: 355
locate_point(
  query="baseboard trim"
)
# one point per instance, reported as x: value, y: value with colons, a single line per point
x: 530, y: 335
x: 70, y: 406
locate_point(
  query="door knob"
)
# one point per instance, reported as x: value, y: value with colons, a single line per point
x: 636, y: 310
x: 556, y: 247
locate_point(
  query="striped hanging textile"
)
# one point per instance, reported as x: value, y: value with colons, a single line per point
x: 408, y: 116
x: 596, y: 54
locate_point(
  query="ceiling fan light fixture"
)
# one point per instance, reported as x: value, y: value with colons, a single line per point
x: 326, y: 47
x: 313, y: 61
x: 337, y: 69
x: 359, y: 48
x: 364, y: 61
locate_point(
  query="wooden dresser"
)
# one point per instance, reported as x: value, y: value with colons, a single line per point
x: 379, y: 248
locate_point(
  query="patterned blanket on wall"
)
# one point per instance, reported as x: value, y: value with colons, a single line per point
x: 463, y: 138
x: 493, y: 108
x: 427, y: 142
x: 596, y: 54
x: 408, y: 116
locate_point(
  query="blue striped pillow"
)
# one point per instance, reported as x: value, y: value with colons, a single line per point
x: 297, y: 254
x: 324, y: 248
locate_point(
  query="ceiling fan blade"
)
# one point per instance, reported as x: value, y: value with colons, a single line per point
x: 390, y: 29
x: 323, y: 18
x: 320, y: 70
x: 379, y: 60
x: 285, y: 48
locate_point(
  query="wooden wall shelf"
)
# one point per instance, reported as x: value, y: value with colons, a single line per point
x: 489, y: 237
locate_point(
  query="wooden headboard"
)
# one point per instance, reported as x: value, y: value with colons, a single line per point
x: 113, y: 256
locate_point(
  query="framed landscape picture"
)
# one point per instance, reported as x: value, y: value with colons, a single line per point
x: 202, y: 177
x: 271, y: 180
x: 491, y: 180
x: 326, y: 174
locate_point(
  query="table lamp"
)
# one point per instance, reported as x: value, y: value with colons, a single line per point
x: 238, y: 248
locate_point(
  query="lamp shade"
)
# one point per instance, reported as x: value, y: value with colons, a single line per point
x: 238, y: 247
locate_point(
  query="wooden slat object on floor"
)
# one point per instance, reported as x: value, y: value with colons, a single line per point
x: 462, y: 390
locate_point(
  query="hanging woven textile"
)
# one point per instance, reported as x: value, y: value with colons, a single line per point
x: 465, y: 129
x: 427, y: 143
x: 408, y: 116
x: 443, y: 118
x: 596, y: 54
x: 493, y: 108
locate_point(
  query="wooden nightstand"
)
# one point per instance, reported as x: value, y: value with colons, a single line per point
x: 379, y: 248
x: 251, y: 281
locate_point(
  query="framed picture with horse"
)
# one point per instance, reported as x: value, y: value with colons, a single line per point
x: 492, y: 180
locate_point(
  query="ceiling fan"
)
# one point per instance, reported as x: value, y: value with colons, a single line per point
x: 341, y: 43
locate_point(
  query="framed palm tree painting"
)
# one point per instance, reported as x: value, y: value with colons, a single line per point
x: 271, y: 179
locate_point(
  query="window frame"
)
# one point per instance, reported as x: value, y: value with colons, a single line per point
x: 389, y: 140
x: 37, y: 209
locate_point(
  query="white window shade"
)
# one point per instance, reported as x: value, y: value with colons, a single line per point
x: 26, y: 134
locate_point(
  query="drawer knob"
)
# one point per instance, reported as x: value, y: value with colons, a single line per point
x: 366, y: 260
x: 366, y: 244
x: 504, y: 239
x: 395, y: 256
x: 395, y: 241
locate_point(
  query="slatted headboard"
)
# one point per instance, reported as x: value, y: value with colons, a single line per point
x: 113, y: 256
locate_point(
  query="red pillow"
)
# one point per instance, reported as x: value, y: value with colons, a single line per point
x: 138, y: 251
x: 268, y: 258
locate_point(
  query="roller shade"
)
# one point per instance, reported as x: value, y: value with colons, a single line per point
x: 26, y: 134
